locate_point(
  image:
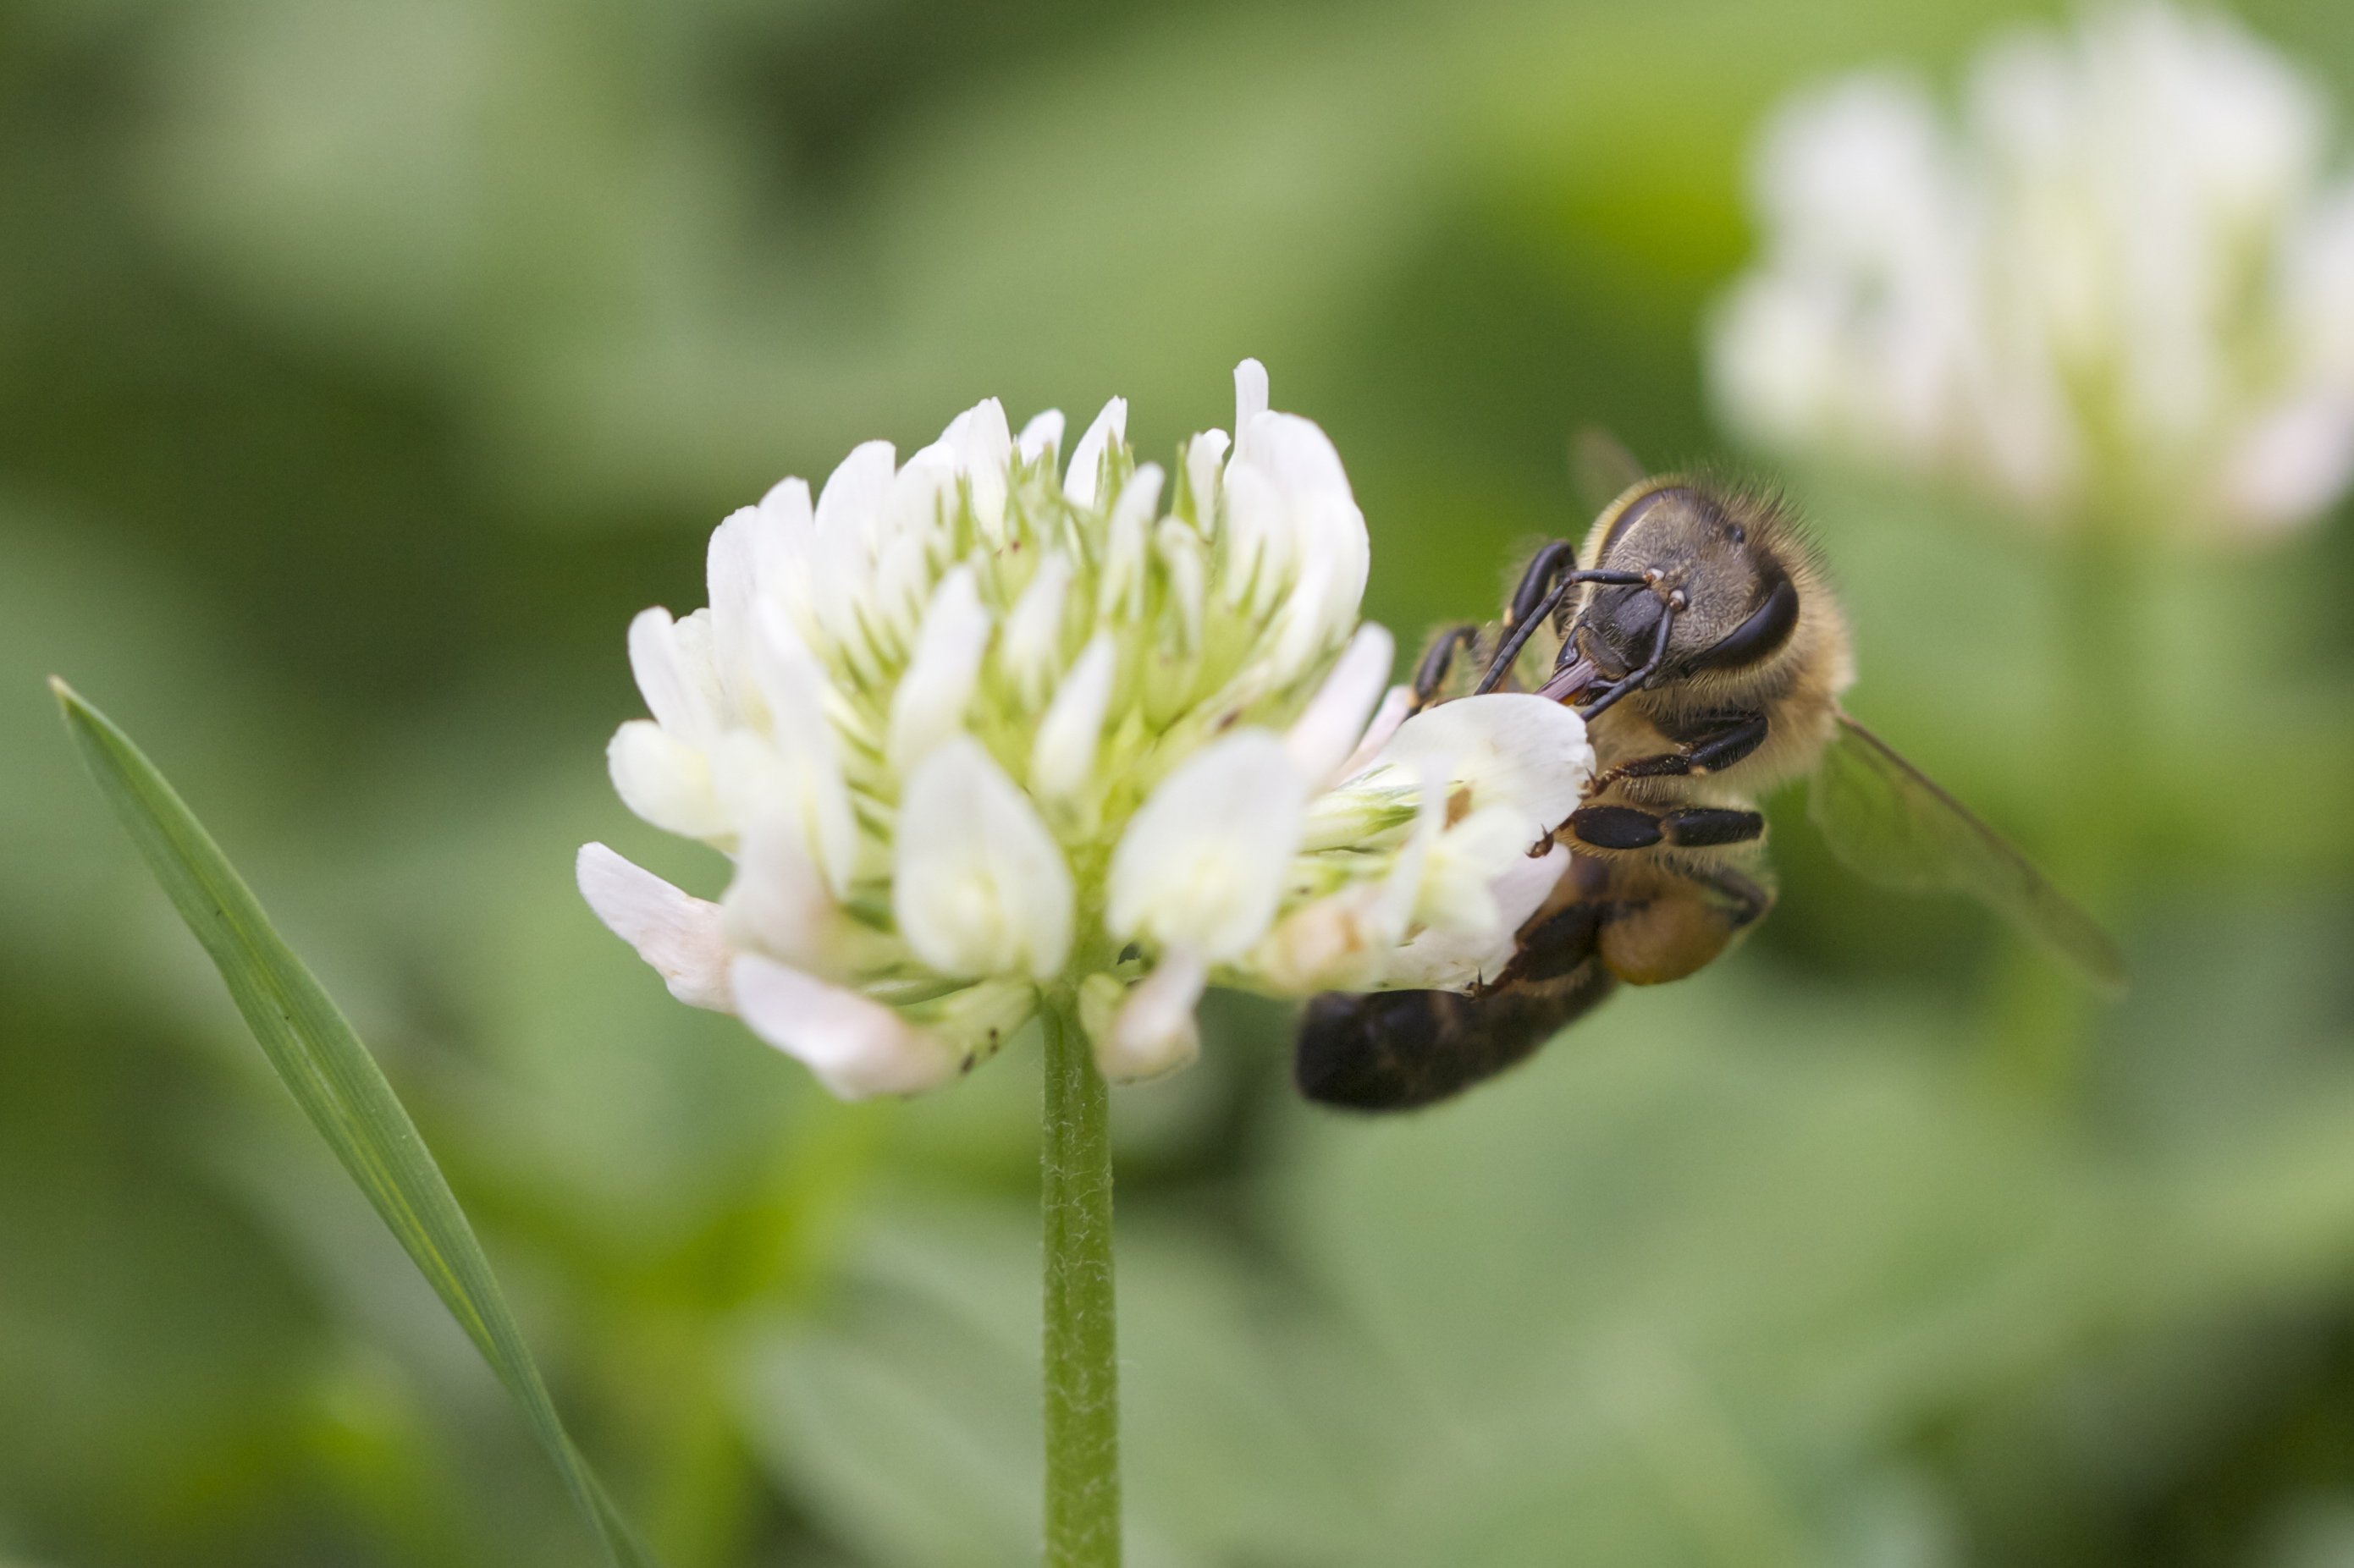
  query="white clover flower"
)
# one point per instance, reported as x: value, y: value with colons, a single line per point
x: 2124, y: 287
x: 979, y: 738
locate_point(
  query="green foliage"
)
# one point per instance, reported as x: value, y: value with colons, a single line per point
x: 337, y: 1083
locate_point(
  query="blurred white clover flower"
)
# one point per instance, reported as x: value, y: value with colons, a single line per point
x: 979, y: 739
x: 2125, y: 287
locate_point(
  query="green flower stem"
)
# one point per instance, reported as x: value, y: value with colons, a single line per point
x: 1082, y: 1348
x: 2049, y: 1015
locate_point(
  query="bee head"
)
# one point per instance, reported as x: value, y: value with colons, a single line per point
x: 1712, y: 577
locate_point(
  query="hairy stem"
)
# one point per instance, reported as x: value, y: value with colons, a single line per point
x: 1081, y: 1350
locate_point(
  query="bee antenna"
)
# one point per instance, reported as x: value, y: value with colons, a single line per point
x: 1524, y: 627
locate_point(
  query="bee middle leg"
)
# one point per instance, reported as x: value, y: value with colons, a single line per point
x: 1686, y: 827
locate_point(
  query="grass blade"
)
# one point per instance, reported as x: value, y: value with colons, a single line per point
x: 338, y: 1085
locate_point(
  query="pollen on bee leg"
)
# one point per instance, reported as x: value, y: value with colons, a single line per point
x: 1666, y: 940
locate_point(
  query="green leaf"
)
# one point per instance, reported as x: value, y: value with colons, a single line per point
x: 337, y: 1083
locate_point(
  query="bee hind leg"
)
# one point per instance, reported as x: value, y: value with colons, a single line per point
x: 1685, y: 926
x: 1743, y: 899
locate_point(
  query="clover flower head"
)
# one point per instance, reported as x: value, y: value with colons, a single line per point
x: 1000, y: 726
x: 2124, y: 284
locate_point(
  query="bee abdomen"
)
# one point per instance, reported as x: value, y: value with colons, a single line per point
x: 1400, y: 1049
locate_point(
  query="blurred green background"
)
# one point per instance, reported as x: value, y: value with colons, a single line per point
x: 363, y: 368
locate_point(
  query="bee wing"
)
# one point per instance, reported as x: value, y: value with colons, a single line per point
x: 1601, y: 469
x: 1892, y: 825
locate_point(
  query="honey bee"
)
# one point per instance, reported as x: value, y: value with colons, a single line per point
x: 1699, y: 640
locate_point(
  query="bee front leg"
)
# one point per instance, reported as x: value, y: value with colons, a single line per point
x: 1686, y: 827
x: 1709, y: 745
x: 1430, y: 674
x: 1538, y: 581
x: 1543, y: 589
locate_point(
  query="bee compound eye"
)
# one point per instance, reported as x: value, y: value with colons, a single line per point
x: 1768, y: 627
